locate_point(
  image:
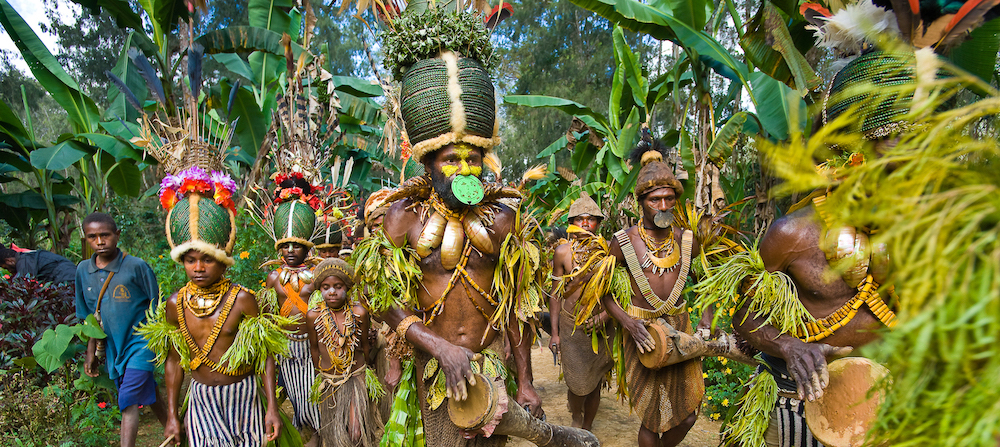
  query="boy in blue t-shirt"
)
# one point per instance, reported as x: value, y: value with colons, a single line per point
x: 126, y: 288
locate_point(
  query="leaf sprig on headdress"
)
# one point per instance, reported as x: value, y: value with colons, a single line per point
x: 415, y: 37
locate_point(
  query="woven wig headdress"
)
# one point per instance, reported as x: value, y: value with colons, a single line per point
x: 654, y: 172
x: 197, y: 193
x: 288, y: 213
x: 441, y: 54
x: 874, y: 67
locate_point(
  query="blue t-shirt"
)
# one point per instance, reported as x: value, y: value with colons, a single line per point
x: 130, y: 293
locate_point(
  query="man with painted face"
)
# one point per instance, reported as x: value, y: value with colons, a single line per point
x: 657, y: 255
x: 430, y: 271
x: 583, y: 369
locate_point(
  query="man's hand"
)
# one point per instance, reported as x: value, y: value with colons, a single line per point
x: 91, y: 364
x: 272, y: 424
x: 643, y: 341
x: 554, y: 345
x: 595, y: 322
x: 394, y: 373
x: 173, y: 428
x: 454, y: 360
x: 528, y: 399
x: 807, y: 365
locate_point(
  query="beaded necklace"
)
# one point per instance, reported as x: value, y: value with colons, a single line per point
x: 200, y: 353
x: 339, y: 345
x: 203, y: 301
x: 652, y: 260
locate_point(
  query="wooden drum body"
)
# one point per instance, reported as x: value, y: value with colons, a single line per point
x: 482, y: 404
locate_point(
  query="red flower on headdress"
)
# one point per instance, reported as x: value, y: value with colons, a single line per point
x: 193, y: 185
x: 223, y: 197
x: 405, y: 151
x: 314, y: 202
x: 168, y: 198
x: 857, y: 159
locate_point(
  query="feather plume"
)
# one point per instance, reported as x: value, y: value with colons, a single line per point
x: 969, y: 16
x: 149, y: 74
x: 535, y: 173
x: 493, y: 163
x: 907, y: 17
x: 129, y: 96
x: 195, y: 53
x: 850, y: 28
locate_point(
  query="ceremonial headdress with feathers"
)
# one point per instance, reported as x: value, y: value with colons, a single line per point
x: 654, y: 172
x: 289, y: 214
x: 857, y: 30
x: 197, y: 193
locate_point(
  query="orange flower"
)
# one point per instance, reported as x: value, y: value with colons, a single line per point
x: 168, y: 199
x: 857, y: 159
x: 191, y: 185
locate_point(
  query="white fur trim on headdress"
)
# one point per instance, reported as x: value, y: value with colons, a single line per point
x: 458, y: 119
x: 177, y: 253
x: 427, y: 146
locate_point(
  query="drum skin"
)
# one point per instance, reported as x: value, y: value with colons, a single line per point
x: 845, y: 413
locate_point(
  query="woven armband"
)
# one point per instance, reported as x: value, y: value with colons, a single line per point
x: 405, y: 325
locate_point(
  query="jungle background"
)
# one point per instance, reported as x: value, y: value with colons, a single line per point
x: 576, y: 79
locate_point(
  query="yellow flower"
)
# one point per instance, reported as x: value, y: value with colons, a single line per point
x: 690, y: 309
x: 725, y: 402
x: 244, y: 254
x: 724, y: 360
x: 716, y: 416
x: 731, y: 310
x: 708, y: 397
x: 161, y: 256
x: 704, y: 375
x: 729, y: 371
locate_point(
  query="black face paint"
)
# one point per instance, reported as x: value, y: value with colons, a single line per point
x: 663, y: 219
x: 442, y: 186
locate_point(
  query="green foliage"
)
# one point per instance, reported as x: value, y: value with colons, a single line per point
x: 27, y: 309
x: 55, y: 414
x: 415, y: 37
x: 57, y: 346
x: 932, y: 197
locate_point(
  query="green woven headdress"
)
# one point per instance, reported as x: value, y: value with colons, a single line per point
x: 329, y: 234
x: 294, y: 221
x: 872, y: 82
x: 442, y: 59
x: 198, y: 223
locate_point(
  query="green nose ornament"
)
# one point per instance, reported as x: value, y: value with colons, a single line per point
x: 468, y: 189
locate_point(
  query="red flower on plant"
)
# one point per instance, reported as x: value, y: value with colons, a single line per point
x: 857, y: 159
x: 102, y: 405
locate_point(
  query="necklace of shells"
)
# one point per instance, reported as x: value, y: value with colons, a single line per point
x: 204, y: 301
x: 296, y: 276
x: 340, y: 345
x: 449, y: 229
x: 659, y: 264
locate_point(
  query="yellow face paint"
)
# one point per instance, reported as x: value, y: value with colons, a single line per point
x: 463, y: 153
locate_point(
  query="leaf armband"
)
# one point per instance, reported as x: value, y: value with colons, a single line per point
x: 257, y: 338
x: 389, y: 274
x: 743, y: 280
x: 162, y: 336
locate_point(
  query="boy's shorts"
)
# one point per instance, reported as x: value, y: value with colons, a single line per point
x: 135, y: 387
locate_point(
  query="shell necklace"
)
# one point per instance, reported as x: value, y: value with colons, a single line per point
x: 448, y: 229
x: 204, y: 301
x: 653, y: 260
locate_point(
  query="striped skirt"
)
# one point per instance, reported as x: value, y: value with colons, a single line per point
x: 787, y: 427
x: 298, y: 374
x: 225, y: 416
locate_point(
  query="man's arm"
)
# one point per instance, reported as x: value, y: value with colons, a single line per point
x: 555, y: 302
x: 520, y: 349
x: 313, y: 337
x: 806, y: 361
x: 454, y: 360
x: 643, y: 341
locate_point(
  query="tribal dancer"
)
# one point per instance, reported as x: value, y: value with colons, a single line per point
x: 653, y: 258
x: 572, y: 266
x: 291, y: 221
x: 813, y: 291
x: 338, y: 339
x: 211, y: 327
x: 452, y: 269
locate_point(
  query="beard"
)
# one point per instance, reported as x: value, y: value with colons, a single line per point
x: 442, y: 186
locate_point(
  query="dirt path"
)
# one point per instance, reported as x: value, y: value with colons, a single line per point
x: 615, y: 426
